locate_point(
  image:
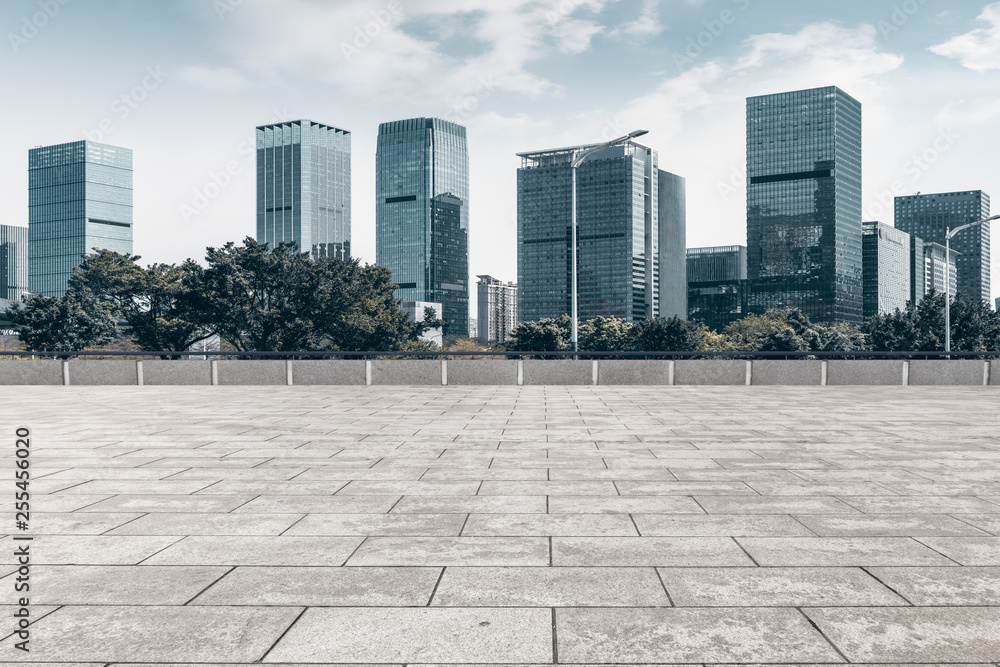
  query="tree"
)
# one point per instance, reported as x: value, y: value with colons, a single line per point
x: 606, y: 334
x: 68, y: 323
x: 668, y: 335
x: 975, y: 327
x: 545, y: 335
x: 157, y: 303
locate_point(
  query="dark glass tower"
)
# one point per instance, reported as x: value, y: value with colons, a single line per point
x: 717, y: 285
x: 626, y: 206
x: 929, y: 216
x: 304, y: 187
x: 804, y: 204
x: 422, y: 214
x: 79, y: 200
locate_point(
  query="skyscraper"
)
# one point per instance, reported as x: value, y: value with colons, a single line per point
x: 304, y: 187
x: 886, y: 253
x: 626, y: 209
x: 13, y: 263
x: 804, y: 204
x: 497, y: 309
x: 918, y: 278
x: 717, y: 279
x: 422, y: 214
x: 929, y: 216
x: 934, y: 269
x: 79, y: 200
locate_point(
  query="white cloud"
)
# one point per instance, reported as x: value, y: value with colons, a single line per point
x: 978, y: 50
x: 960, y: 113
x: 643, y: 28
x: 225, y: 79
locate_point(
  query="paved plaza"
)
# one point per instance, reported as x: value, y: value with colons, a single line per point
x: 513, y: 525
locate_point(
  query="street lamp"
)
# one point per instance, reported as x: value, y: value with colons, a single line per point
x: 578, y: 159
x: 949, y: 234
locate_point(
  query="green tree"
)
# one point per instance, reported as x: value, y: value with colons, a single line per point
x: 668, y: 335
x: 606, y: 334
x: 545, y: 335
x: 975, y: 327
x: 68, y: 323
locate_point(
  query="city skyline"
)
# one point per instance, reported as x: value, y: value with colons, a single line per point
x: 513, y: 93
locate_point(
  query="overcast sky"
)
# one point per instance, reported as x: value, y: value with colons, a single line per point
x: 184, y: 82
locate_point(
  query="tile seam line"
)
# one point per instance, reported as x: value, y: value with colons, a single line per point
x: 212, y: 583
x: 864, y: 568
x: 823, y: 634
x: 282, y: 635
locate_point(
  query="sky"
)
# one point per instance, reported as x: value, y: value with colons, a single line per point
x: 183, y: 83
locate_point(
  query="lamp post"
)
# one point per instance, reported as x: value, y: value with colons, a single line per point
x: 578, y: 158
x: 949, y: 234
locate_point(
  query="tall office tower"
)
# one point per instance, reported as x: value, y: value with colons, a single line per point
x: 304, y: 187
x: 626, y: 209
x: 422, y: 214
x: 13, y: 263
x: 934, y: 268
x: 997, y: 307
x: 79, y: 201
x: 886, y: 260
x: 717, y: 280
x: 928, y: 216
x: 497, y: 309
x: 918, y: 278
x: 673, y: 246
x: 804, y: 204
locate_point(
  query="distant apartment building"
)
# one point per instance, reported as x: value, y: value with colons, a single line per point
x: 13, y: 264
x: 886, y: 261
x: 422, y: 214
x: 929, y: 217
x: 79, y: 201
x: 497, y: 309
x: 630, y: 235
x: 304, y: 187
x: 473, y: 328
x: 804, y: 204
x: 717, y: 280
x: 934, y: 269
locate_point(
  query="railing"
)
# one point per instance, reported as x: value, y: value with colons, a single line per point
x: 851, y: 354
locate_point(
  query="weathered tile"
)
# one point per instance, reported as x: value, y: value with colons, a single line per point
x: 318, y: 505
x: 967, y: 550
x: 888, y: 525
x: 116, y: 585
x: 433, y: 635
x: 471, y: 504
x: 168, y: 503
x: 77, y: 523
x: 840, y: 551
x: 550, y: 587
x: 775, y: 587
x: 684, y: 489
x: 324, y: 587
x: 207, y: 523
x: 689, y: 636
x: 580, y: 488
x: 92, y: 549
x: 647, y: 551
x: 924, y: 505
x: 549, y: 524
x: 284, y: 550
x: 719, y: 525
x: 934, y: 586
x: 623, y: 505
x: 774, y: 505
x: 431, y: 551
x: 418, y: 525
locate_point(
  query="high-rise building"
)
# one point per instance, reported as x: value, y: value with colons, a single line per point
x: 997, y: 306
x: 934, y: 269
x: 473, y: 328
x: 886, y: 253
x: 304, y: 187
x: 717, y: 285
x: 918, y: 271
x: 804, y: 204
x: 79, y: 201
x: 422, y: 214
x: 929, y: 216
x: 13, y: 263
x: 627, y: 208
x: 497, y: 309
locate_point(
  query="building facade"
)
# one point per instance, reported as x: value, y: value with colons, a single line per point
x: 887, y: 271
x: 918, y: 277
x: 934, y: 269
x: 13, y: 263
x: 626, y: 209
x: 497, y: 309
x: 804, y: 204
x: 929, y: 217
x: 717, y: 280
x: 304, y: 187
x: 79, y: 201
x: 422, y: 214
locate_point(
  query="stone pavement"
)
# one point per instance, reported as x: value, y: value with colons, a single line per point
x: 533, y: 525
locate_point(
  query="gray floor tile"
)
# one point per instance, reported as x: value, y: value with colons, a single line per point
x: 931, y: 586
x: 550, y: 587
x: 117, y: 585
x: 647, y: 551
x: 774, y: 505
x: 168, y: 503
x: 77, y: 523
x: 549, y: 524
x: 840, y: 551
x: 471, y: 504
x: 419, y: 525
x: 722, y: 525
x: 967, y: 550
x: 623, y: 505
x: 207, y: 523
x: 432, y: 551
x: 372, y: 504
x: 232, y: 550
x: 92, y: 549
x: 888, y: 525
x: 433, y: 635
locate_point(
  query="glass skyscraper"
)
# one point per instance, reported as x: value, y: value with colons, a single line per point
x: 928, y: 216
x: 13, y: 263
x: 804, y: 204
x: 717, y: 280
x: 887, y: 271
x: 422, y: 214
x: 626, y: 207
x: 79, y: 201
x: 304, y: 187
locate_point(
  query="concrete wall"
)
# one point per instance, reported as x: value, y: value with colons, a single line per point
x: 435, y: 372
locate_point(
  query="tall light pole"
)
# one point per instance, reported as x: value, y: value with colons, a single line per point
x: 578, y: 158
x: 949, y: 234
